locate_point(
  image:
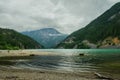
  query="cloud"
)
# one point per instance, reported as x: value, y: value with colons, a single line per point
x: 113, y: 1
x: 64, y: 15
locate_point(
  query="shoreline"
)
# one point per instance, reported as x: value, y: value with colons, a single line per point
x: 14, y: 73
x: 23, y: 53
x: 8, y: 73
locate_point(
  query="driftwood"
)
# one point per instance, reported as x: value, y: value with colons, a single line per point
x: 102, y: 77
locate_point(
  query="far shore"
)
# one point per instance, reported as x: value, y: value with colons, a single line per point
x: 23, y: 53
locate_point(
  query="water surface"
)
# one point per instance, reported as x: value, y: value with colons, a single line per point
x: 107, y: 60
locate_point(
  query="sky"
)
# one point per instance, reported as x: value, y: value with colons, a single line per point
x: 66, y: 16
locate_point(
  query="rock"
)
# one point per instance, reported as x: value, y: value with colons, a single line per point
x: 32, y: 55
x: 81, y: 54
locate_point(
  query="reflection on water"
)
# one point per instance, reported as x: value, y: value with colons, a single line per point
x: 69, y: 63
x: 70, y: 60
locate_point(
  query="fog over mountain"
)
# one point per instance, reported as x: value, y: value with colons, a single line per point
x: 64, y: 15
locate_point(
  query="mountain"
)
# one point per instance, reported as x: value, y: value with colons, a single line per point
x: 10, y: 39
x: 103, y: 32
x: 48, y: 37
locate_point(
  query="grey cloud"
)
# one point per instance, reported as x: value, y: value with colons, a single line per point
x: 64, y: 15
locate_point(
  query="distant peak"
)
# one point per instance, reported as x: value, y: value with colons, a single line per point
x: 45, y: 30
x: 50, y: 30
x: 117, y: 5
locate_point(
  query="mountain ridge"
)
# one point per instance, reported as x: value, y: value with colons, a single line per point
x: 11, y: 39
x: 103, y: 27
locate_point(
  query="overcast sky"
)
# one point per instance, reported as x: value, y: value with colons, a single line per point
x: 63, y: 15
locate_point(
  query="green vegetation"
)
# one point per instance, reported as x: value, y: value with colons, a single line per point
x: 79, y: 45
x: 107, y: 25
x: 10, y: 39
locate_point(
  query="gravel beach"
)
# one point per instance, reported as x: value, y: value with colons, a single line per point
x: 7, y: 73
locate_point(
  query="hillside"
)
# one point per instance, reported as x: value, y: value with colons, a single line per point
x: 10, y: 39
x: 48, y: 37
x: 103, y: 32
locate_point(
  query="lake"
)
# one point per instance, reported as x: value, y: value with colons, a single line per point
x: 74, y: 60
